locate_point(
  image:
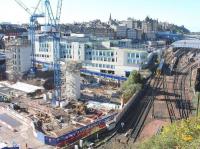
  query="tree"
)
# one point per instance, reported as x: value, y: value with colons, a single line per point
x: 133, y: 84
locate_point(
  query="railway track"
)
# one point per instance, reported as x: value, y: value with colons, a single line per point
x: 142, y: 117
x: 169, y: 103
x: 135, y: 118
x: 179, y: 86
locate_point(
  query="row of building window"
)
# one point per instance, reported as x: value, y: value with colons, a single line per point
x: 100, y: 53
x: 42, y: 55
x: 137, y: 55
x: 100, y: 65
x: 133, y: 61
x: 105, y: 59
x: 43, y: 49
x: 133, y: 55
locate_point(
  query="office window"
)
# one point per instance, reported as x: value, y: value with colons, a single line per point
x: 133, y: 55
x: 137, y: 55
x: 112, y: 67
x: 112, y: 53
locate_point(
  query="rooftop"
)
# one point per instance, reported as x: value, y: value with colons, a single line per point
x: 193, y: 43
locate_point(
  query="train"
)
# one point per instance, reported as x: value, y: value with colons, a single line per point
x: 159, y: 70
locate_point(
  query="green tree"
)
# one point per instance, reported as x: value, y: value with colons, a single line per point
x: 133, y: 84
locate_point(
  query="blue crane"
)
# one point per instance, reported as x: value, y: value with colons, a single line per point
x: 32, y: 28
x: 55, y: 35
x: 54, y: 22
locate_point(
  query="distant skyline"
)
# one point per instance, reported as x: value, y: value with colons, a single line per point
x: 180, y: 12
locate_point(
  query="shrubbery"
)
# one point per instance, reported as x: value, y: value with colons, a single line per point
x: 133, y: 84
x: 183, y: 134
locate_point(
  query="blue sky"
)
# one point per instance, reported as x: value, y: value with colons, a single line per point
x: 180, y: 12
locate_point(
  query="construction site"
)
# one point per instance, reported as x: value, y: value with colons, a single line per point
x: 59, y: 105
x: 87, y: 103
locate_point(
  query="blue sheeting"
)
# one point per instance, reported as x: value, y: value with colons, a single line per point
x: 105, y: 75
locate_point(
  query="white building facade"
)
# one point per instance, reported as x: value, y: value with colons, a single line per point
x: 19, y: 61
x: 99, y: 56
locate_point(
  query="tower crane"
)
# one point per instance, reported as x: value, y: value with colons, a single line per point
x: 58, y: 11
x: 54, y: 22
x: 32, y: 28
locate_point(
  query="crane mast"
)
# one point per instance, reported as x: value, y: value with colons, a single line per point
x: 32, y: 28
x: 56, y: 46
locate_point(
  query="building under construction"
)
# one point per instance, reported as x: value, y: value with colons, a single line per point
x: 78, y: 115
x: 18, y: 61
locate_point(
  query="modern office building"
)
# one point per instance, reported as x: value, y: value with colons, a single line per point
x: 112, y: 56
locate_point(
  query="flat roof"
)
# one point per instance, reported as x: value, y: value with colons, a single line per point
x: 27, y: 88
x: 193, y: 44
x: 9, y: 120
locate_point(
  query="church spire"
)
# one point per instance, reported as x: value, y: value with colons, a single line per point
x: 110, y: 17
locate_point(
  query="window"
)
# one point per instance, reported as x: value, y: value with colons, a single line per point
x: 133, y: 55
x: 137, y: 55
x: 112, y: 53
x: 100, y: 65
